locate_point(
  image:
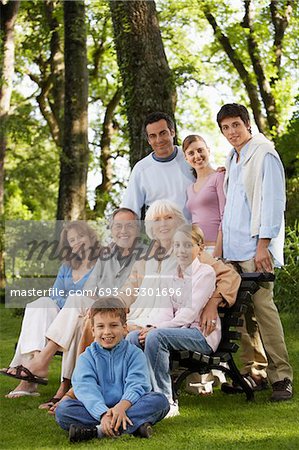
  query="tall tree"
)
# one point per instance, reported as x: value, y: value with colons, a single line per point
x: 51, y: 97
x: 8, y: 15
x: 103, y: 190
x: 105, y: 95
x: 146, y: 76
x: 75, y: 154
x: 261, y: 79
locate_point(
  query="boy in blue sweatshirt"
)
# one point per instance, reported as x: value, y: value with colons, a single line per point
x: 111, y: 383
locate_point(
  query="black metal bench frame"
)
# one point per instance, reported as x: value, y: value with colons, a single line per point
x: 184, y: 362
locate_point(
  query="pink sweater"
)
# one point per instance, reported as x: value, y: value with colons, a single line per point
x: 191, y: 295
x: 207, y: 205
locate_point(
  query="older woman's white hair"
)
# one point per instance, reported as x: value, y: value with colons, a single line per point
x: 160, y: 208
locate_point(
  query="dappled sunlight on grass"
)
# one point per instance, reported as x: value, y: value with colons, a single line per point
x: 214, y: 422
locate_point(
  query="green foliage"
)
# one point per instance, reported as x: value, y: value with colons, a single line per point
x: 104, y: 81
x: 195, y: 54
x: 287, y: 145
x: 200, y: 70
x: 292, y: 212
x: 32, y: 166
x: 32, y: 37
x: 287, y: 278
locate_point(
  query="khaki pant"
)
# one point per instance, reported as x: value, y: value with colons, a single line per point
x: 270, y: 328
x: 252, y: 354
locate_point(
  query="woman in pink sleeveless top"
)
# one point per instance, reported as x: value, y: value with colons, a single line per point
x: 205, y: 197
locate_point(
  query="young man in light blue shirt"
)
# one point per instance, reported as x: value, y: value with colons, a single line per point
x: 253, y: 229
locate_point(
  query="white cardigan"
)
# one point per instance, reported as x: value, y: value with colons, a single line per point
x: 258, y: 147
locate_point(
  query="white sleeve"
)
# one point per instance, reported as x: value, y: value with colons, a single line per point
x: 134, y: 196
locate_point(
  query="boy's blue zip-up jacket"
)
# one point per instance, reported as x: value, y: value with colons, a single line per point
x: 104, y: 377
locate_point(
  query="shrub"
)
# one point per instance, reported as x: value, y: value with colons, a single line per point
x: 286, y: 285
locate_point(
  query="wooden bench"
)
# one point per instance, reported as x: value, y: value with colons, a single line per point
x: 183, y: 363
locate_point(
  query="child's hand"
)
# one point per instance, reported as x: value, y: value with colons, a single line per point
x: 119, y: 416
x: 106, y: 424
x: 52, y: 410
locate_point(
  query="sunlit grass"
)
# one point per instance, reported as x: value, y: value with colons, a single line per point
x: 215, y: 422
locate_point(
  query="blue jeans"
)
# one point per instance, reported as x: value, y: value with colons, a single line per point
x: 151, y: 407
x: 158, y: 344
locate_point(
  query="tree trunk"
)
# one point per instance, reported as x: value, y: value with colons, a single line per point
x: 250, y: 86
x: 280, y: 17
x: 103, y: 190
x: 8, y: 15
x: 51, y: 98
x: 146, y: 76
x: 258, y: 67
x: 75, y: 154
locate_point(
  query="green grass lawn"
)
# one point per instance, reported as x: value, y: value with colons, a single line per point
x: 215, y: 422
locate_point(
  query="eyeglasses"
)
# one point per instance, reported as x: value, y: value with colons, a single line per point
x: 118, y: 226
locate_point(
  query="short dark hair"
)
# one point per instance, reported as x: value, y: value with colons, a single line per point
x: 233, y: 110
x: 155, y: 117
x: 108, y: 304
x: 120, y: 210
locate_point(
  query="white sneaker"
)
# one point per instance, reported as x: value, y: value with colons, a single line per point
x: 174, y: 410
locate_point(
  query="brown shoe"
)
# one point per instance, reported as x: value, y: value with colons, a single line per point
x: 282, y: 390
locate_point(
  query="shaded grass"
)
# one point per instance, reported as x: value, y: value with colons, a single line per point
x: 215, y: 422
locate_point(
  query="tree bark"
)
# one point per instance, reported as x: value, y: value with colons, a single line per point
x: 257, y: 64
x: 51, y: 82
x: 75, y: 153
x: 8, y: 15
x: 280, y: 22
x: 250, y: 86
x: 146, y: 76
x: 103, y: 190
x: 54, y: 99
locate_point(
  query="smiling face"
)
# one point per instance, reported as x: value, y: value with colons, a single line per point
x: 184, y: 249
x: 124, y: 229
x: 164, y: 226
x: 108, y: 330
x: 160, y: 138
x: 78, y: 241
x: 197, y: 155
x: 236, y: 131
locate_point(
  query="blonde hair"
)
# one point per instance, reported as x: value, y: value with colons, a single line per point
x: 193, y: 232
x: 158, y: 208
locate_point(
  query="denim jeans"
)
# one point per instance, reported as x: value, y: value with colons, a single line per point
x: 158, y: 344
x: 151, y: 407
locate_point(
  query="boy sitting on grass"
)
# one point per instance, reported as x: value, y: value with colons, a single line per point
x: 111, y: 383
